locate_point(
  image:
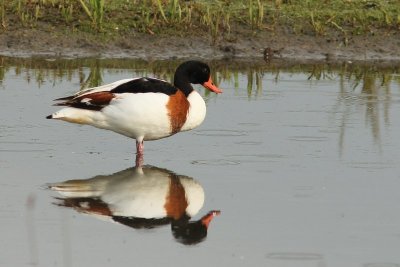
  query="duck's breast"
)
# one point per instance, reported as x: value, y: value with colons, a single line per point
x: 196, y: 112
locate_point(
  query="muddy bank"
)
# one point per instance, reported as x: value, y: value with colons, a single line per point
x: 381, y: 46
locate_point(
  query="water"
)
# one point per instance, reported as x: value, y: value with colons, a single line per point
x: 302, y: 162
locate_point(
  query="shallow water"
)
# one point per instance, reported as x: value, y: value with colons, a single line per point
x: 303, y: 163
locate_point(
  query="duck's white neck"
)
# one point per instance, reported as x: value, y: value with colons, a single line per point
x: 196, y: 113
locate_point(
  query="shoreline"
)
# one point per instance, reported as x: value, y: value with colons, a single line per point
x: 265, y: 46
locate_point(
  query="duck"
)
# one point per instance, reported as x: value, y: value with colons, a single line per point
x: 144, y: 197
x: 142, y: 108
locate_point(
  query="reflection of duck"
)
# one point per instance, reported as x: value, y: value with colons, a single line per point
x: 142, y: 108
x: 141, y: 197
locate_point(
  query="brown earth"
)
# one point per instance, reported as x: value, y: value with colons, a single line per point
x: 243, y: 44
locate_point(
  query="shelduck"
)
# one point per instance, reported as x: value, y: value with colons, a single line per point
x: 142, y: 108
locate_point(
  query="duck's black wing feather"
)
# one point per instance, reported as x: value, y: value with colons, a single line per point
x: 145, y: 85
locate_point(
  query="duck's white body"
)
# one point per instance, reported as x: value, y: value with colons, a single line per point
x: 142, y: 116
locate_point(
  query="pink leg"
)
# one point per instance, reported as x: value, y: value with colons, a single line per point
x: 139, y: 147
x: 139, y: 153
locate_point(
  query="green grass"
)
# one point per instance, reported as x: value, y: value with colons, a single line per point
x: 214, y: 17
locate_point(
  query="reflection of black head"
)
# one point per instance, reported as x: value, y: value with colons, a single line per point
x: 191, y: 233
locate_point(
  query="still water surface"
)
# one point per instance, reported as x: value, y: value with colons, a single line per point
x: 303, y: 163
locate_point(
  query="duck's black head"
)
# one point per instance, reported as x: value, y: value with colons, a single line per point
x: 195, y: 72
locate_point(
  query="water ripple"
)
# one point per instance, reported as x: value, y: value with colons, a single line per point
x: 294, y: 256
x: 371, y: 165
x: 216, y: 162
x: 381, y: 264
x: 221, y: 133
x: 248, y: 143
x: 308, y: 138
x: 265, y: 156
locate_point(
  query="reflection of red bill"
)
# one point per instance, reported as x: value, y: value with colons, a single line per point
x: 208, y: 218
x: 211, y: 86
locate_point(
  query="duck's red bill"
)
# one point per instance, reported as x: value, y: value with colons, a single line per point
x: 211, y: 86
